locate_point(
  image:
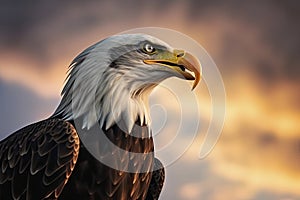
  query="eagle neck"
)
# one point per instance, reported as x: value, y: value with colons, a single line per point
x: 125, y: 103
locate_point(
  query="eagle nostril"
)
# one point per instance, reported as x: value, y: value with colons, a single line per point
x: 179, y: 53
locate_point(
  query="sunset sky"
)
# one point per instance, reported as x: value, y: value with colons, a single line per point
x: 255, y: 45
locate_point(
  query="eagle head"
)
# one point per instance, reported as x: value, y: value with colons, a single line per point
x: 110, y: 81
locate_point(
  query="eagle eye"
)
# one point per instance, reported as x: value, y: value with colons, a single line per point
x: 148, y: 48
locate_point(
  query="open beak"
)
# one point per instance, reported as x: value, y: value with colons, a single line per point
x: 182, y: 62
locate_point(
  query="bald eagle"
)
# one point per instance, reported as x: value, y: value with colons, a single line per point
x: 107, y: 87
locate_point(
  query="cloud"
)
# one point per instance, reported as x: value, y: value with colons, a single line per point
x: 21, y: 106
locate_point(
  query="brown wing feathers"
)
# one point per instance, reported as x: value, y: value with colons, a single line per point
x: 37, y: 160
x: 157, y: 181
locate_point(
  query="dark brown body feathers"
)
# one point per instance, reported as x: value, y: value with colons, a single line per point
x: 46, y: 160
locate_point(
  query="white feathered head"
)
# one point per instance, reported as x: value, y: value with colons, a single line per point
x: 111, y: 80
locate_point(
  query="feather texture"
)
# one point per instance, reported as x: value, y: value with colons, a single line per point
x: 46, y: 161
x: 38, y: 160
x: 93, y: 180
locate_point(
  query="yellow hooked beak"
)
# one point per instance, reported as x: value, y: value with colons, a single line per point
x: 182, y: 62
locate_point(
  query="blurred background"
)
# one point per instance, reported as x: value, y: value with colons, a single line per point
x: 255, y: 44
